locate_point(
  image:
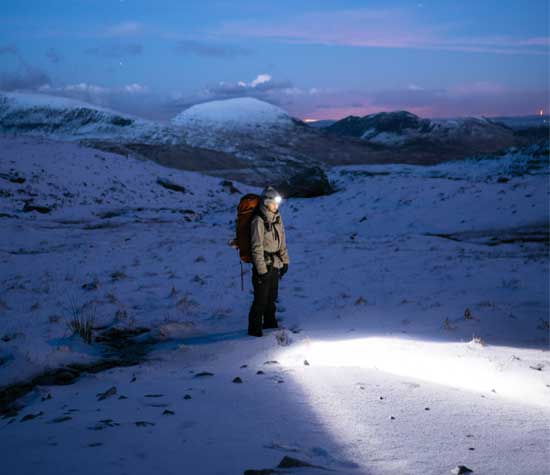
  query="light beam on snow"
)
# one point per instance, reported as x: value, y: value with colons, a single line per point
x: 468, y: 366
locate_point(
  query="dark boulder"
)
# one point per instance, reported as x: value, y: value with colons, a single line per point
x: 308, y: 183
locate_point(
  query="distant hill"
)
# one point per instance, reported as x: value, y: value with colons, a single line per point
x: 321, y: 124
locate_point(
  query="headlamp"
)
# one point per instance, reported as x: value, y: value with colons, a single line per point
x: 278, y: 199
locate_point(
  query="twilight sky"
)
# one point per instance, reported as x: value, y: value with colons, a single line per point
x: 316, y: 59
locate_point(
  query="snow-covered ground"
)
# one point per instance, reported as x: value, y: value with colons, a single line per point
x: 415, y: 313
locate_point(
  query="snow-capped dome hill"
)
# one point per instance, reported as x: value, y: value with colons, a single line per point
x: 241, y: 113
x: 69, y: 119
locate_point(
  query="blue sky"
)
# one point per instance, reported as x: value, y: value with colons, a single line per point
x: 316, y: 59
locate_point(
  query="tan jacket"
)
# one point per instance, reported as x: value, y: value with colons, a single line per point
x: 268, y: 241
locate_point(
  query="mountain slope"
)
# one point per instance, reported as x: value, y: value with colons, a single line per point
x: 69, y: 119
x: 402, y: 128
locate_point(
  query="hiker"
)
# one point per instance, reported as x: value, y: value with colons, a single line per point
x: 270, y: 261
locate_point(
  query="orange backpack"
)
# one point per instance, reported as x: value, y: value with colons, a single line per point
x: 245, y: 211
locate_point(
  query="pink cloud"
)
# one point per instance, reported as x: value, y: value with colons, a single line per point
x: 385, y: 28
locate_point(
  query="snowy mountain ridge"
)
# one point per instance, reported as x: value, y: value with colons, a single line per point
x: 68, y: 119
x: 402, y: 127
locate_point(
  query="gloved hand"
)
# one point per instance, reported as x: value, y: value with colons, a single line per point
x: 262, y: 277
x: 283, y: 270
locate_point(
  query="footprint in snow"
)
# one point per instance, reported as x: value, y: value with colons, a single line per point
x: 103, y: 424
x: 144, y: 423
x: 29, y: 417
x: 60, y: 419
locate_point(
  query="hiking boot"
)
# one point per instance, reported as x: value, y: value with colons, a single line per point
x: 255, y: 333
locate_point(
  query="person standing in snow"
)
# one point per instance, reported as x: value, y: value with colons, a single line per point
x: 270, y: 261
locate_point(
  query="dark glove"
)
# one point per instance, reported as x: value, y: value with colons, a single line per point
x: 284, y: 270
x: 262, y: 277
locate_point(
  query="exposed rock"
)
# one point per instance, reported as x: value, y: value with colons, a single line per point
x: 171, y: 185
x: 237, y: 380
x: 203, y: 374
x: 58, y: 420
x: 290, y: 462
x: 263, y: 471
x: 460, y: 469
x: 103, y: 424
x: 104, y: 395
x: 91, y: 285
x: 13, y: 177
x: 309, y: 183
x: 32, y: 207
x: 29, y: 417
x: 286, y: 463
x: 58, y: 377
x: 229, y: 186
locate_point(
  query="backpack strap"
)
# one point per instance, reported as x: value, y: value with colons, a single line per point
x: 259, y: 213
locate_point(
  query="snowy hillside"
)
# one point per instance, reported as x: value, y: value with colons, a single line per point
x: 524, y: 122
x: 69, y: 119
x: 416, y: 303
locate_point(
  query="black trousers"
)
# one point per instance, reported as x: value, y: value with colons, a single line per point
x: 266, y: 290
